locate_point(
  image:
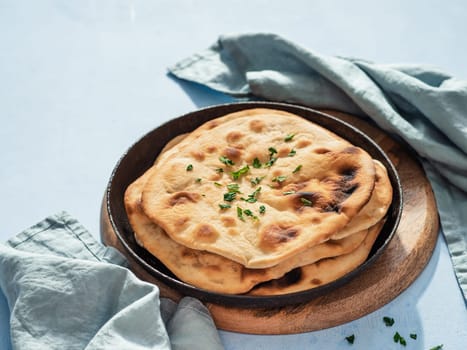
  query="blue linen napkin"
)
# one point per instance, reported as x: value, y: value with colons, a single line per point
x: 65, y: 290
x: 423, y: 105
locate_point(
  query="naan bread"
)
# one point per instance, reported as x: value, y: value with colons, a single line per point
x: 321, y: 272
x: 317, y: 183
x: 211, y: 271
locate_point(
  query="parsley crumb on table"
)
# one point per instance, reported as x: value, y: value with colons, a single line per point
x: 350, y: 339
x: 388, y: 321
x: 397, y: 337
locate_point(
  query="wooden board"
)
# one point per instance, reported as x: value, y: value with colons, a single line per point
x: 398, y: 266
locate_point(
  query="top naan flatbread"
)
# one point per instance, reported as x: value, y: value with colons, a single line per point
x: 290, y: 184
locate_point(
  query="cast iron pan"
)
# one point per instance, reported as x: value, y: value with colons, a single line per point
x: 142, y: 154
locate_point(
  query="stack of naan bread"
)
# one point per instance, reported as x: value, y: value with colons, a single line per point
x: 260, y: 201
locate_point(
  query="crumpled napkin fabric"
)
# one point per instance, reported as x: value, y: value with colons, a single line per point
x: 422, y: 105
x: 65, y: 290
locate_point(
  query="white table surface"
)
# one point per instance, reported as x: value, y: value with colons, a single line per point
x: 80, y: 81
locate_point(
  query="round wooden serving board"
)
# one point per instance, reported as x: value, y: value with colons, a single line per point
x: 398, y: 266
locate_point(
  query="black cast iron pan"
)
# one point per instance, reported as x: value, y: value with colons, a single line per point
x: 141, y: 155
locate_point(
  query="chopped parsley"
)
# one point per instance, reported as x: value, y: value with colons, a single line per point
x: 399, y: 339
x: 272, y: 159
x: 219, y: 170
x: 270, y: 162
x: 226, y: 160
x: 240, y: 213
x: 289, y: 137
x: 242, y: 171
x: 292, y: 153
x: 288, y: 192
x: 388, y: 321
x: 262, y: 209
x: 218, y: 184
x: 279, y: 179
x: 256, y: 180
x: 198, y: 179
x: 350, y: 339
x: 256, y: 163
x: 438, y: 347
x: 306, y: 202
x: 248, y: 212
x: 297, y: 169
x: 252, y: 197
x: 230, y: 196
x: 233, y: 188
x: 189, y: 167
x: 225, y: 206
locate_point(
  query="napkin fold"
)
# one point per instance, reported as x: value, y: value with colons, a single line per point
x: 65, y: 290
x: 422, y: 105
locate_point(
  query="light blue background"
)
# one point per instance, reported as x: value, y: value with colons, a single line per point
x: 80, y: 81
